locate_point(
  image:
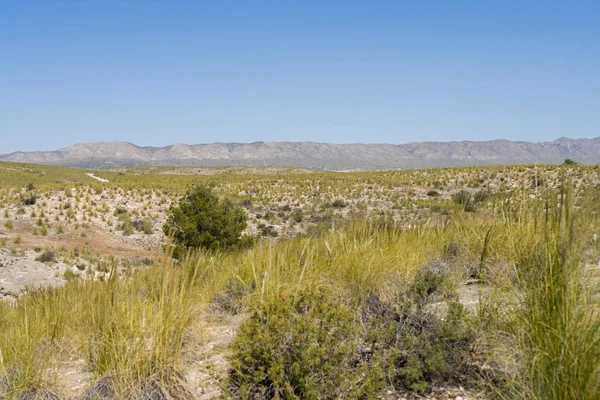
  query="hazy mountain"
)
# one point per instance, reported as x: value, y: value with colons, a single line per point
x: 318, y: 155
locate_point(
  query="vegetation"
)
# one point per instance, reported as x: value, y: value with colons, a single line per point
x: 373, y: 286
x: 202, y: 221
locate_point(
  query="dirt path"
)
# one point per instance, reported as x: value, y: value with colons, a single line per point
x: 97, y: 178
x: 207, y: 367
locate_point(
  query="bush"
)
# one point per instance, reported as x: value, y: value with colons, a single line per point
x: 298, y: 215
x: 143, y: 225
x: 412, y: 349
x: 465, y: 199
x: 481, y: 196
x: 433, y: 193
x: 299, y: 347
x: 47, y: 256
x: 268, y: 231
x: 339, y: 203
x: 568, y: 161
x: 69, y: 275
x: 202, y: 220
x: 30, y: 200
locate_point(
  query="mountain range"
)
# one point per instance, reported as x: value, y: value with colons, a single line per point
x: 324, y: 156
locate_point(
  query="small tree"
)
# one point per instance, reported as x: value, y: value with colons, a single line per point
x: 202, y: 220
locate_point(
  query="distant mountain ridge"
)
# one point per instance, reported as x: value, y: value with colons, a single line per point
x: 325, y: 156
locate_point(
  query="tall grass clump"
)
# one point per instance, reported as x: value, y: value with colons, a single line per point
x: 558, y: 324
x: 128, y: 330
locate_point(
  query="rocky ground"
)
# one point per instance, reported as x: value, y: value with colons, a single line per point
x: 18, y: 272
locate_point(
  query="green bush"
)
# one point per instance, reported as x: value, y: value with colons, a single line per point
x: 29, y: 200
x: 339, y: 203
x: 143, y: 225
x: 412, y: 349
x: 202, y: 220
x: 268, y: 230
x: 47, y: 256
x: 465, y: 199
x: 299, y: 347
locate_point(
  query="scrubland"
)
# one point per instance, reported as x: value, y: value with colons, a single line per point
x: 477, y: 282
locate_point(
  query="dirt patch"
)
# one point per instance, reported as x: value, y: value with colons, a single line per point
x: 20, y: 272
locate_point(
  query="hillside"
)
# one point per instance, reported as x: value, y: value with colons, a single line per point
x: 323, y: 156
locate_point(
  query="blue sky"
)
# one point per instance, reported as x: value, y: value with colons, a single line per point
x: 160, y: 72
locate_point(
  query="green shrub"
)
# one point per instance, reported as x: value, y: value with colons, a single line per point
x: 481, y: 196
x: 412, y: 349
x: 47, y: 256
x: 268, y: 231
x: 299, y: 347
x: 298, y: 215
x: 143, y: 225
x: 433, y: 193
x: 202, y: 220
x: 127, y: 227
x: 465, y: 199
x: 29, y: 200
x: 69, y: 275
x: 339, y: 203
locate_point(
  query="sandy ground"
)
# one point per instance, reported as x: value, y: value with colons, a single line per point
x: 20, y: 272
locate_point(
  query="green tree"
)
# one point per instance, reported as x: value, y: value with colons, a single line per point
x: 202, y: 220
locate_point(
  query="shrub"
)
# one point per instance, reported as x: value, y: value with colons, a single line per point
x: 143, y: 225
x: 69, y: 275
x: 127, y: 227
x: 568, y: 161
x: 47, y: 256
x: 481, y: 196
x: 465, y: 199
x: 339, y: 203
x: 202, y: 220
x: 268, y: 231
x: 413, y: 349
x: 297, y: 347
x: 433, y: 193
x: 30, y: 200
x: 298, y: 215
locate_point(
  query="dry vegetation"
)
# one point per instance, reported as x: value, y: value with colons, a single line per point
x: 471, y: 282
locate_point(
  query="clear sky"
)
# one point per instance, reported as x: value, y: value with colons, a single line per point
x: 161, y: 72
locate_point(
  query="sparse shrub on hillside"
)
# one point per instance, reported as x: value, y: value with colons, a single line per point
x: 29, y: 200
x: 127, y: 227
x: 464, y: 199
x: 433, y: 193
x: 69, y: 275
x: 339, y: 203
x: 268, y: 230
x: 47, y: 256
x: 202, y: 220
x: 298, y: 215
x: 143, y: 225
x: 481, y: 196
